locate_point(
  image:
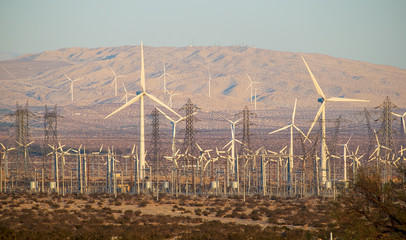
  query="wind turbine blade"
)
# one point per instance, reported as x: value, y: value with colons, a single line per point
x: 376, y: 149
x: 126, y: 105
x: 30, y: 143
x: 227, y: 119
x: 317, y: 117
x: 123, y: 98
x: 376, y: 137
x: 397, y: 115
x: 114, y: 73
x: 161, y: 103
x: 386, y: 148
x: 169, y: 118
x: 316, y: 84
x: 349, y: 139
x: 283, y: 149
x: 227, y: 144
x: 68, y: 77
x: 142, y: 69
x: 237, y: 121
x: 198, y: 146
x: 302, y: 133
x: 280, y: 129
x: 2, y: 145
x: 238, y: 141
x: 132, y: 151
x: 294, y: 113
x: 336, y: 99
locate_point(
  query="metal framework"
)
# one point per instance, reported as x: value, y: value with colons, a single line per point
x: 50, y: 137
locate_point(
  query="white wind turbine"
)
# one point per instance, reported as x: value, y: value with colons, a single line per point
x: 356, y: 162
x: 115, y: 81
x: 402, y: 120
x: 71, y: 84
x: 345, y: 148
x: 164, y: 76
x: 126, y: 94
x: 5, y: 159
x: 171, y: 94
x: 377, y: 151
x: 232, y: 142
x: 322, y: 112
x: 291, y: 126
x: 251, y: 86
x: 142, y: 115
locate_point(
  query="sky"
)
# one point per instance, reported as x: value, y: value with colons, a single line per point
x: 367, y: 30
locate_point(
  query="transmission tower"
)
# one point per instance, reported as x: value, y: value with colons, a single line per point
x: 386, y: 130
x: 385, y: 133
x: 246, y: 135
x: 155, y: 141
x: 50, y: 137
x: 189, y: 143
x: 22, y: 134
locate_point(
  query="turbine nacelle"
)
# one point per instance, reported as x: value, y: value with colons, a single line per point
x: 320, y: 100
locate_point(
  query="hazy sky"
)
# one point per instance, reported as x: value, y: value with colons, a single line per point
x: 367, y: 30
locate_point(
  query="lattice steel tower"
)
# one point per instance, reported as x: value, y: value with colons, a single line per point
x: 50, y: 137
x: 22, y: 134
x: 155, y: 141
x: 386, y: 130
x: 246, y: 135
x: 189, y: 140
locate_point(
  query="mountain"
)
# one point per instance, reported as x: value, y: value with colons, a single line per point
x: 8, y: 55
x: 282, y: 76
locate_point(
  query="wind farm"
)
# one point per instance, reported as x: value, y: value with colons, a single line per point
x: 188, y: 152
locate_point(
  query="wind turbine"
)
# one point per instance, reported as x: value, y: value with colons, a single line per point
x: 345, y: 148
x: 232, y: 142
x: 322, y: 111
x: 115, y: 81
x: 355, y: 162
x: 402, y: 120
x: 71, y: 84
x: 142, y: 115
x: 251, y: 86
x: 171, y: 94
x: 126, y: 94
x: 291, y: 126
x: 377, y: 151
x: 5, y: 158
x: 164, y: 76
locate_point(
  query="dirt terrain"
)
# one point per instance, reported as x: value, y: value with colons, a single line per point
x: 30, y: 214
